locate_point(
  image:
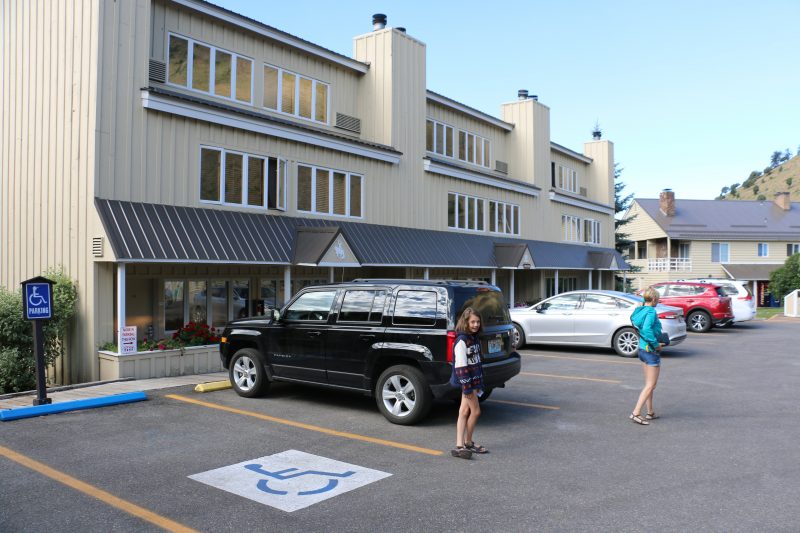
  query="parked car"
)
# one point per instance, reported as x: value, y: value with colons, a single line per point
x: 590, y: 318
x: 742, y: 301
x: 704, y: 304
x: 389, y: 339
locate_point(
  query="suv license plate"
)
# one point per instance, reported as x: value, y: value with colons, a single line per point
x: 495, y: 345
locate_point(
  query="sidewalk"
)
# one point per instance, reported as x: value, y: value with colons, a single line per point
x: 107, y: 389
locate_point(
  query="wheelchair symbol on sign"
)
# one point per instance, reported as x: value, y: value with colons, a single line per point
x: 284, y: 475
x: 36, y: 299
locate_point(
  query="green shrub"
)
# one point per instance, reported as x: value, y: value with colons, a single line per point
x: 789, y: 182
x: 17, y: 370
x: 761, y: 198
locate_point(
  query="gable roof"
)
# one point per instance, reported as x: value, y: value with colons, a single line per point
x: 739, y: 220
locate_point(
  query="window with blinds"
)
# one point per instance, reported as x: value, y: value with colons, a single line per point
x: 445, y: 140
x: 297, y: 95
x: 236, y: 178
x: 329, y: 192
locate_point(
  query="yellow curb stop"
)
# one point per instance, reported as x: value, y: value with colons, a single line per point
x: 213, y: 386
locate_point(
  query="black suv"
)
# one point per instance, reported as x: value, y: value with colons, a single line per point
x: 390, y: 339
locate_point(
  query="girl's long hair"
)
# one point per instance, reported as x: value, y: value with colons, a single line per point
x: 462, y: 325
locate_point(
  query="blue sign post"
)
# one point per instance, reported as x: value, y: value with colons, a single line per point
x: 37, y: 306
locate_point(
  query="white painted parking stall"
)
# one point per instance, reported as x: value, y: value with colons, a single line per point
x: 290, y: 480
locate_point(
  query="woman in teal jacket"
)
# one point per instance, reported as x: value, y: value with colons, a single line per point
x: 645, y: 318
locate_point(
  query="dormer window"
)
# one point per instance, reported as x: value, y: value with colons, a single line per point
x: 566, y: 178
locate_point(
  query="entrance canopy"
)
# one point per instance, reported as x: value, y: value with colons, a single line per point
x: 750, y: 272
x: 155, y: 233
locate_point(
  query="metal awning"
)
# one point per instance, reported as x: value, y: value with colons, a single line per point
x: 154, y: 233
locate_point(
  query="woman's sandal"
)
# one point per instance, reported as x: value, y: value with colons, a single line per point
x: 651, y: 416
x: 636, y: 419
x: 475, y: 448
x: 462, y: 452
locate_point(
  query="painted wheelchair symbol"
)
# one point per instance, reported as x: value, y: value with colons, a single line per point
x: 36, y: 299
x: 284, y: 475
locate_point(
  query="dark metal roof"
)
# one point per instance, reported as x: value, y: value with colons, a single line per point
x: 140, y: 232
x: 750, y: 272
x: 509, y: 254
x: 728, y: 220
x: 265, y: 117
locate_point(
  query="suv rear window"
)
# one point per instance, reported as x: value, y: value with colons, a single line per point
x: 487, y: 302
x: 728, y: 289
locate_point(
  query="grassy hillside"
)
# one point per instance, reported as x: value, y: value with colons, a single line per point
x: 784, y: 178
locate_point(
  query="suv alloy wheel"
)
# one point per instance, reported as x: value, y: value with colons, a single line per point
x: 699, y: 321
x: 247, y: 374
x: 402, y: 395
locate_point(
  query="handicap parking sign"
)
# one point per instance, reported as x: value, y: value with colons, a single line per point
x: 38, y: 301
x: 290, y: 480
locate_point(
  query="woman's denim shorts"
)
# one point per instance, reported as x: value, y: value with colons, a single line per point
x: 649, y: 358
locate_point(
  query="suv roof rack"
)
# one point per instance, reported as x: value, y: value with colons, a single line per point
x: 428, y: 281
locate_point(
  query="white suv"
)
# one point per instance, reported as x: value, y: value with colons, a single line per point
x: 742, y: 302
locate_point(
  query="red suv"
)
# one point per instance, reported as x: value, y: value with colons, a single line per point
x: 704, y: 304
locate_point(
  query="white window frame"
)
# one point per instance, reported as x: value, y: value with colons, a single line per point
x: 571, y: 230
x: 485, y: 160
x: 795, y: 248
x: 479, y: 224
x: 595, y: 231
x: 516, y: 222
x: 280, y: 197
x: 212, y: 69
x: 567, y: 179
x: 762, y: 249
x: 296, y: 113
x: 348, y: 176
x: 720, y: 245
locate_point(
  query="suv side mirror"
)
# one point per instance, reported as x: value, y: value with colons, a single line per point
x: 276, y: 315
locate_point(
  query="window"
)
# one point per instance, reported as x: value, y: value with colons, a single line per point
x: 683, y: 250
x: 362, y: 306
x: 570, y: 228
x: 686, y: 290
x: 642, y: 250
x: 595, y: 302
x: 330, y: 192
x: 312, y: 306
x: 719, y: 252
x: 763, y: 249
x: 242, y: 179
x: 297, y: 95
x: 173, y: 305
x: 591, y: 231
x: 465, y: 212
x: 503, y: 218
x: 562, y: 303
x: 566, y: 178
x: 194, y: 65
x: 415, y: 308
x: 212, y: 302
x: 792, y: 248
x: 564, y: 285
x: 441, y: 139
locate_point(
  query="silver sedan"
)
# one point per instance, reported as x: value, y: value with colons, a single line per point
x: 591, y: 318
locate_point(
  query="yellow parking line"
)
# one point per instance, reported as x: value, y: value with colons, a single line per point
x: 569, y: 377
x: 538, y: 406
x: 94, y: 492
x: 309, y: 427
x: 611, y: 361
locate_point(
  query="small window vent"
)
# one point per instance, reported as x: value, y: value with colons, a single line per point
x: 97, y: 246
x: 158, y: 71
x: 583, y: 191
x: 346, y: 122
x: 501, y: 166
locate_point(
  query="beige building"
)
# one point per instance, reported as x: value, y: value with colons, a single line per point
x: 676, y: 239
x: 184, y: 162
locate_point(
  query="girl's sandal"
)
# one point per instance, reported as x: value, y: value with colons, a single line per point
x: 651, y: 416
x: 636, y: 419
x: 475, y: 448
x: 462, y: 452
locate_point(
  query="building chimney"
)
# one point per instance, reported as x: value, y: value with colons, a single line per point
x: 666, y: 202
x: 783, y: 200
x: 378, y: 21
x: 522, y: 94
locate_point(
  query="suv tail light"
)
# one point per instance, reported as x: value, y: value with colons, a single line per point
x: 668, y: 315
x: 451, y: 340
x: 748, y: 297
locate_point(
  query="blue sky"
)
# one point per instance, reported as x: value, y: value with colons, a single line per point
x: 694, y: 94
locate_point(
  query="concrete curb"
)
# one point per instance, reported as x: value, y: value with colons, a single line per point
x: 75, y: 405
x: 62, y: 388
x: 213, y: 386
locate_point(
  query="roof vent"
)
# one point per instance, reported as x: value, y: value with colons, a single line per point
x: 378, y: 21
x: 597, y: 133
x: 522, y: 94
x: 401, y: 29
x: 97, y: 246
x: 158, y: 70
